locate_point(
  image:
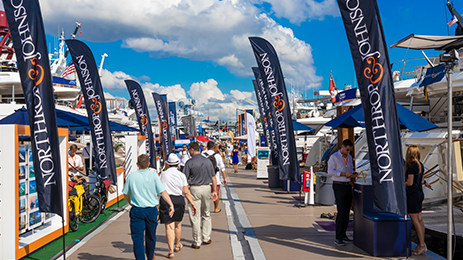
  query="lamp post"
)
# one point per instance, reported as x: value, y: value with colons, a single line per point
x: 449, y: 58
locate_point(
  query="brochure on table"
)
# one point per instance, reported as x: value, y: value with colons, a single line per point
x: 28, y: 229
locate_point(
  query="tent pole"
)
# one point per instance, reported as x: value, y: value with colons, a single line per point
x: 449, y: 164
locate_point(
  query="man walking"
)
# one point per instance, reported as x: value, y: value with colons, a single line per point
x: 212, y: 150
x: 140, y: 190
x: 199, y: 173
x: 340, y: 166
x: 184, y: 156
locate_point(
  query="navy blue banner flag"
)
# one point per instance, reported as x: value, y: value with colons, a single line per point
x: 371, y: 60
x: 26, y: 28
x: 241, y: 125
x: 261, y: 110
x: 166, y: 138
x: 143, y: 118
x: 270, y: 69
x: 173, y: 119
x: 266, y: 115
x: 95, y: 103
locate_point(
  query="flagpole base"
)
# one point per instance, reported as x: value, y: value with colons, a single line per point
x: 117, y: 209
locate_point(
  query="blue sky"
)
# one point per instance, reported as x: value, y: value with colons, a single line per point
x: 199, y: 49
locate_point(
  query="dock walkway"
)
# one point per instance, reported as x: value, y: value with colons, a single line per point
x: 255, y: 223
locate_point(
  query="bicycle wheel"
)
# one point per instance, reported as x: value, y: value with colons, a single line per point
x: 73, y: 218
x: 90, y: 208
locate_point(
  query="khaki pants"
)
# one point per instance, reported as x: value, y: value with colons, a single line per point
x: 202, y: 198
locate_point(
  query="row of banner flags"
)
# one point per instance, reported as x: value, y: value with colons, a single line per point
x: 34, y: 69
x: 369, y: 52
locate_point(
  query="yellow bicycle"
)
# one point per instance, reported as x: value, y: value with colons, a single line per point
x: 83, y: 207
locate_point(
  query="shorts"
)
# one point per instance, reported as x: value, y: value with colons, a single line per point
x: 179, y: 209
x: 218, y: 188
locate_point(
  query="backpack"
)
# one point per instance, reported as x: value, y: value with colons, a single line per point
x: 214, y: 162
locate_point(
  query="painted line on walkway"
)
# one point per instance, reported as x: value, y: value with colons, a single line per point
x: 250, y: 247
x: 94, y: 233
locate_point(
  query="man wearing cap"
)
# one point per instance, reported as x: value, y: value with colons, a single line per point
x: 199, y: 173
x: 176, y: 186
x: 141, y: 190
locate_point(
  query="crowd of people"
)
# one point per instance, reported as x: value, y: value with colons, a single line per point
x: 195, y: 174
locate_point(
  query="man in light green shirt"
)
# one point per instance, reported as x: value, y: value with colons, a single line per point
x: 141, y: 190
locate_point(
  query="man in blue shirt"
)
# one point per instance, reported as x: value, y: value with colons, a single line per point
x: 140, y: 190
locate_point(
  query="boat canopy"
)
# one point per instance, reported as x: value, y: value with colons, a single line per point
x: 425, y: 42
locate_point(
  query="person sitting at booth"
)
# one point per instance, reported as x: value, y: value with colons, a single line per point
x: 75, y: 164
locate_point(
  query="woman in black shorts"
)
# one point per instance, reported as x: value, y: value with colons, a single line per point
x: 176, y: 186
x: 415, y: 195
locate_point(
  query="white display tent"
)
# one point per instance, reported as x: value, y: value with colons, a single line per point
x: 41, y: 229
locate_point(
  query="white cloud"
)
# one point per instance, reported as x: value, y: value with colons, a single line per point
x: 197, y: 30
x: 210, y: 100
x: 297, y: 11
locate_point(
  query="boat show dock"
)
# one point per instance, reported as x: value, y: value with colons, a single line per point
x: 255, y: 223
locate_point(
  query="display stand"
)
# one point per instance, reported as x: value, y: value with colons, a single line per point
x: 262, y: 162
x: 28, y: 229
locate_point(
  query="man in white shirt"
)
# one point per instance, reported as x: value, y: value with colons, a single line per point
x: 340, y: 166
x: 211, y: 151
x: 75, y: 162
x: 184, y: 156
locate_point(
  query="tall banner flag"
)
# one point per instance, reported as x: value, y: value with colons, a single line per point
x: 173, y: 119
x: 268, y: 120
x: 166, y: 139
x: 95, y: 103
x: 266, y: 115
x: 143, y: 118
x: 332, y: 89
x: 251, y: 128
x: 270, y: 69
x: 371, y: 60
x: 242, y: 124
x: 189, y: 125
x: 261, y: 112
x: 26, y: 28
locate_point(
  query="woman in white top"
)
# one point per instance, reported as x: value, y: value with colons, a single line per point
x: 176, y: 184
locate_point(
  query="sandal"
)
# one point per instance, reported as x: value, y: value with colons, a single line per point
x: 420, y: 250
x: 170, y: 255
x: 178, y: 248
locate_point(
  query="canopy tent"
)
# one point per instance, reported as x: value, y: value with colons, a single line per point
x: 424, y: 42
x: 407, y: 119
x: 301, y: 127
x: 203, y: 139
x: 72, y: 121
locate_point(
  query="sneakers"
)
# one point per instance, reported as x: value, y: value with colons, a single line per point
x: 347, y: 240
x: 339, y: 242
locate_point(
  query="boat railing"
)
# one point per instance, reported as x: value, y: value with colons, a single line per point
x: 409, y: 67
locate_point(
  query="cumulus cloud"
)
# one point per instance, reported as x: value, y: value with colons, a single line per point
x: 210, y: 100
x: 202, y: 30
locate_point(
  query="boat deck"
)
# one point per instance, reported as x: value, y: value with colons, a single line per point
x: 255, y: 223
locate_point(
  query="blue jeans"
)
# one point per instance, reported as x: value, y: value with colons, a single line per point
x: 143, y: 224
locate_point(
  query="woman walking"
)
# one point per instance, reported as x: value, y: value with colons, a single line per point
x: 415, y: 195
x: 236, y: 159
x: 176, y: 184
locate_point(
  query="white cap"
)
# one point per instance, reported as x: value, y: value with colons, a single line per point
x: 173, y: 159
